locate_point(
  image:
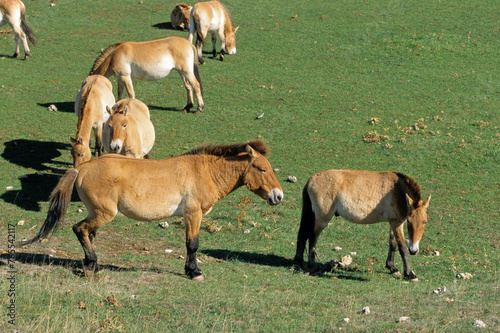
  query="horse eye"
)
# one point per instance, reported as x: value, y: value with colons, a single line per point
x: 262, y: 171
x: 81, y: 155
x: 124, y: 125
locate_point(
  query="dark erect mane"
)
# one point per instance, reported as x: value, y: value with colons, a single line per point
x: 229, y: 150
x: 410, y: 186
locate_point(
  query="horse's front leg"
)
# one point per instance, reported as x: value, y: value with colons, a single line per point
x: 98, y: 140
x: 397, y: 229
x: 193, y: 222
x: 214, y: 42
x: 222, y: 46
x: 389, y: 264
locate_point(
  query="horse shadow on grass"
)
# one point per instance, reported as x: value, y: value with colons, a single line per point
x: 76, y: 266
x: 275, y: 261
x: 166, y: 26
x: 34, y: 155
x: 61, y: 106
x: 162, y: 108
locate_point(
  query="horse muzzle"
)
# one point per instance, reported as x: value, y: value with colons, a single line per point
x: 274, y: 197
x: 115, y: 146
x: 413, y: 248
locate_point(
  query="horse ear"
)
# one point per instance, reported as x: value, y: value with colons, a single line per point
x: 236, y: 29
x: 80, y: 140
x: 409, y: 201
x: 73, y: 141
x: 426, y: 202
x: 108, y: 109
x: 250, y: 151
x: 125, y: 110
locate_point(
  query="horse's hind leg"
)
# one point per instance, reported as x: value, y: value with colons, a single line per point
x: 125, y: 82
x: 98, y: 140
x: 389, y: 264
x: 199, y: 48
x: 189, y: 90
x: 85, y: 231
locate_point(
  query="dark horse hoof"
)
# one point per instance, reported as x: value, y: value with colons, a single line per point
x: 412, y: 277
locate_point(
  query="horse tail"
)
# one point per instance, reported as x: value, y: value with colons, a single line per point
x: 197, y: 28
x: 101, y: 64
x: 59, y: 202
x: 306, y: 229
x: 26, y: 28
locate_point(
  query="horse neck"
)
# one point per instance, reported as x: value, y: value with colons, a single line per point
x: 228, y: 23
x: 227, y: 174
x: 85, y: 123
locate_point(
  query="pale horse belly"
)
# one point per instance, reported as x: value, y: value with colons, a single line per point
x: 361, y: 212
x: 153, y: 71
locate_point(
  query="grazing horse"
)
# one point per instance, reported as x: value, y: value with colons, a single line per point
x: 151, y: 61
x: 179, y: 18
x: 187, y: 185
x: 363, y: 197
x: 13, y: 13
x: 212, y: 17
x: 129, y: 130
x: 94, y: 96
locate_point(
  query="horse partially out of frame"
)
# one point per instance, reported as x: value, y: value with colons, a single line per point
x: 142, y: 189
x: 363, y: 197
x: 13, y: 13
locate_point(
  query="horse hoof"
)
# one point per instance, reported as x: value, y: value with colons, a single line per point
x: 199, y: 278
x: 198, y: 112
x: 397, y: 273
x: 185, y: 111
x: 414, y: 280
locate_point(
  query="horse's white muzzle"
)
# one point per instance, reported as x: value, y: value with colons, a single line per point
x: 116, y: 146
x: 413, y: 248
x: 274, y: 197
x: 232, y: 51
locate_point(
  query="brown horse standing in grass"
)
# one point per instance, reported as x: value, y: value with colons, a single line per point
x: 212, y: 17
x: 129, y: 130
x: 151, y: 61
x: 363, y: 197
x: 13, y: 13
x: 187, y: 185
x: 95, y: 95
x: 179, y: 18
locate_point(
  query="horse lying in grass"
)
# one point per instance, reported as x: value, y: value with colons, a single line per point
x: 187, y: 185
x: 91, y: 101
x: 13, y: 13
x: 151, y: 61
x: 212, y: 17
x: 179, y: 18
x: 363, y: 197
x: 129, y: 130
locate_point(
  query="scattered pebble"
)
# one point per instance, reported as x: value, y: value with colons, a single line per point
x: 479, y: 323
x: 246, y: 231
x: 80, y: 305
x: 163, y: 224
x: 9, y: 188
x: 20, y: 222
x: 440, y: 290
x: 346, y: 320
x: 403, y: 319
x: 52, y: 107
x: 292, y: 179
x: 79, y: 210
x: 366, y: 310
x: 435, y: 253
x: 337, y: 248
x: 169, y: 251
x: 345, y: 261
x: 276, y: 170
x: 465, y: 276
x: 134, y: 296
x: 354, y: 253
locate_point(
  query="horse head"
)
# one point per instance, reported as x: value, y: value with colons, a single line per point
x: 260, y: 179
x: 117, y: 123
x: 80, y: 151
x: 416, y: 221
x: 231, y: 40
x: 179, y: 18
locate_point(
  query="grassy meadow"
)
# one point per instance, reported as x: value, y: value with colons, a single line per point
x: 406, y: 86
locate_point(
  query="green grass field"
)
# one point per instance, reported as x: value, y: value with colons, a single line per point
x: 406, y: 86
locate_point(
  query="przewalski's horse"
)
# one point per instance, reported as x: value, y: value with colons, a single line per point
x: 212, y: 17
x: 179, y: 18
x: 13, y: 13
x: 151, y: 61
x: 363, y: 197
x: 129, y: 130
x: 91, y: 101
x: 187, y: 185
